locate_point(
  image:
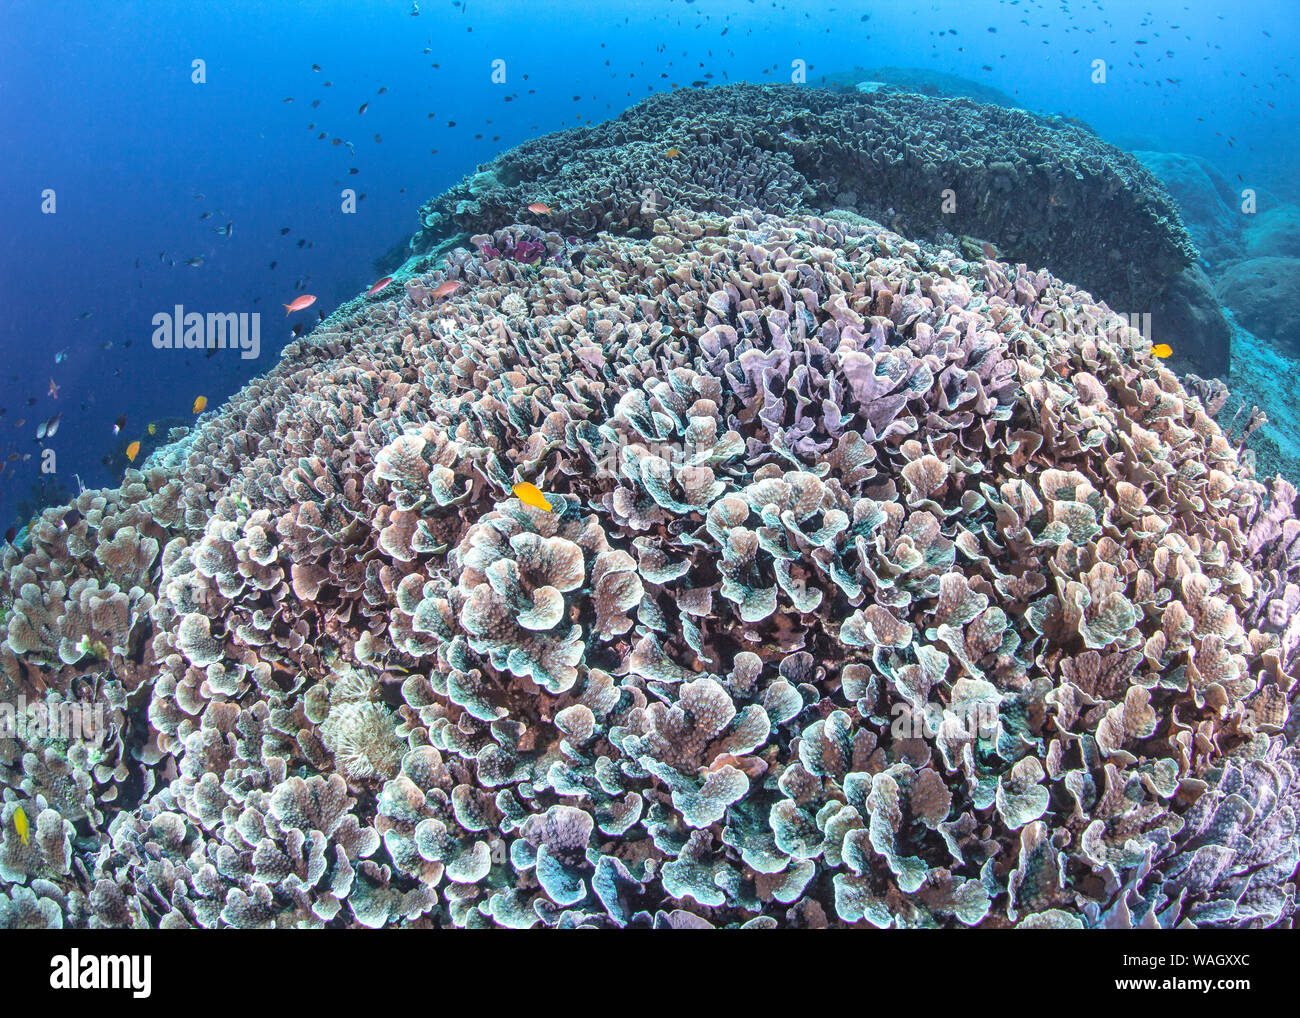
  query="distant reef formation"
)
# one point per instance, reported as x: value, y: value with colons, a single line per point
x: 1252, y: 259
x: 916, y: 79
x: 1043, y: 190
x: 877, y: 587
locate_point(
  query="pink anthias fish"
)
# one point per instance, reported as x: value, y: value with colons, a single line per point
x: 299, y: 304
x: 446, y: 289
x: 54, y: 389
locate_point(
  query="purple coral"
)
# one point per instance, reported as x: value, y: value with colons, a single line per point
x: 806, y: 478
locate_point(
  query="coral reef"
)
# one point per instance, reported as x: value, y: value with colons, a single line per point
x: 921, y: 80
x: 1264, y: 293
x: 867, y: 595
x: 1208, y: 202
x: 1265, y: 357
x: 1044, y: 190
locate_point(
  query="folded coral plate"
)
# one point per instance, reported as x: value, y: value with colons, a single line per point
x: 872, y: 593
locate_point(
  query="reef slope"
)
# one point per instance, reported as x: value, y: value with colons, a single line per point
x: 864, y: 597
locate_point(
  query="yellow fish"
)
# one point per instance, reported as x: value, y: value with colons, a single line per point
x: 153, y: 429
x: 673, y: 153
x: 1162, y: 350
x: 530, y: 494
x: 21, y: 826
x: 132, y: 451
x: 200, y: 403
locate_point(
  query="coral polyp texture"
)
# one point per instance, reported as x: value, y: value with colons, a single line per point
x: 865, y: 598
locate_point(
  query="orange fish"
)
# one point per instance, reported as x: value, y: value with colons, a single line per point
x: 1162, y: 350
x: 539, y: 208
x: 199, y: 403
x: 132, y: 451
x: 530, y: 494
x: 379, y: 286
x: 446, y: 289
x: 299, y: 303
x: 673, y: 153
x: 54, y: 389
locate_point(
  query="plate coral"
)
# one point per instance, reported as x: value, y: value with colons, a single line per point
x: 865, y: 597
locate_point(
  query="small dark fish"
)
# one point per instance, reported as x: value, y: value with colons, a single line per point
x: 273, y: 265
x: 84, y: 315
x: 315, y: 103
x: 224, y: 230
x: 302, y: 243
x: 194, y: 262
x: 206, y: 215
x: 362, y: 109
x: 120, y: 423
x: 283, y: 230
x: 382, y: 90
x: 353, y: 171
x: 315, y: 67
x: 289, y: 99
x: 11, y: 534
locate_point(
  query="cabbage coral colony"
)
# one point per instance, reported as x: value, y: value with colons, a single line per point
x: 871, y: 594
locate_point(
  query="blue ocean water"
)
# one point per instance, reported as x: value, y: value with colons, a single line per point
x: 98, y: 108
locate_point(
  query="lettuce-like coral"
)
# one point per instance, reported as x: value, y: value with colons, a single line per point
x: 865, y: 597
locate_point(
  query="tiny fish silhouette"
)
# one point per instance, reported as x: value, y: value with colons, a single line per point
x: 529, y: 494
